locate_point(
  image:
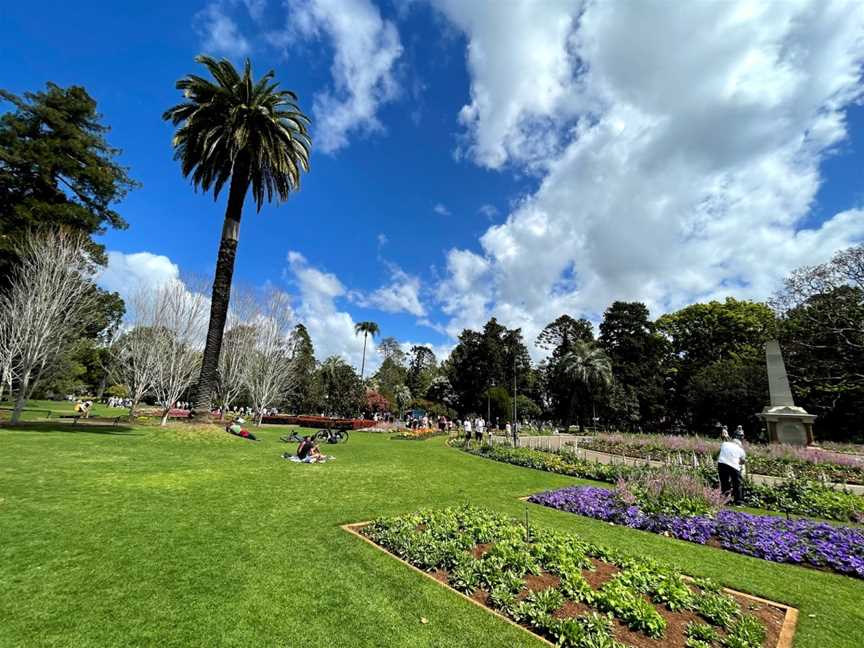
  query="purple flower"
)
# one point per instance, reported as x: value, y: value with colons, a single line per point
x: 777, y: 539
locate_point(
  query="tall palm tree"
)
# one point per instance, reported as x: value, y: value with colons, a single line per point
x: 233, y: 127
x: 367, y: 329
x: 587, y: 365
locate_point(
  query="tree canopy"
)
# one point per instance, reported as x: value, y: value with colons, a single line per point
x: 56, y: 169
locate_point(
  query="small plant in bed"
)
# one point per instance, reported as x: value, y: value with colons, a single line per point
x: 542, y: 579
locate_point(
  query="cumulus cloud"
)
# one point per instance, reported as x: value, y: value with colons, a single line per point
x: 220, y: 33
x: 523, y: 76
x: 401, y: 295
x: 669, y: 172
x: 126, y: 273
x: 331, y: 330
x: 366, y: 48
x: 441, y: 209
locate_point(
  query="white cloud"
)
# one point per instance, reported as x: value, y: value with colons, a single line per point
x: 522, y: 76
x: 382, y: 240
x: 126, y: 273
x: 401, y: 295
x: 441, y: 209
x: 220, y: 33
x: 489, y: 211
x: 331, y: 330
x: 366, y: 48
x: 668, y: 173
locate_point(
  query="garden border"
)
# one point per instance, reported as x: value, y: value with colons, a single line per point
x: 785, y: 640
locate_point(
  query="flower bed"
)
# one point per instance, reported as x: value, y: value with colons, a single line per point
x: 572, y: 592
x: 318, y: 422
x: 775, y: 459
x: 798, y: 496
x: 805, y: 542
x: 418, y: 434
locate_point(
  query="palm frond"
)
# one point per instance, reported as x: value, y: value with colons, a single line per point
x: 233, y: 119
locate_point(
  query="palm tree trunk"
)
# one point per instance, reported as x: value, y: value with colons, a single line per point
x: 569, y: 418
x: 221, y: 295
x: 363, y: 362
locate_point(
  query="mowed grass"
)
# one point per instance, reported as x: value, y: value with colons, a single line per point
x: 137, y: 536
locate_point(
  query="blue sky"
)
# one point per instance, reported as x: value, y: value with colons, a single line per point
x: 473, y: 159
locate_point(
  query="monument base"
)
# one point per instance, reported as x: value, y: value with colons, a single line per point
x: 788, y: 424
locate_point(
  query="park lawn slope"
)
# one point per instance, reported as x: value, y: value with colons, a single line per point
x: 144, y: 536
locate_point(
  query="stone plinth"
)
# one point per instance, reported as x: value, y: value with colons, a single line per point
x: 788, y: 424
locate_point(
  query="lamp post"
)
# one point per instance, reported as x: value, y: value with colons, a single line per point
x: 515, y: 434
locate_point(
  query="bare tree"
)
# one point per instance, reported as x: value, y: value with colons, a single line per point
x: 133, y: 362
x: 844, y: 272
x: 7, y: 357
x: 267, y: 374
x: 237, y: 346
x: 46, y: 305
x: 179, y: 317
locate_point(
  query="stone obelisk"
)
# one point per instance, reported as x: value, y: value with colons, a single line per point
x: 786, y: 422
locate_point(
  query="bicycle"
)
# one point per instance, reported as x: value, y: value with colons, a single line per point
x: 327, y: 435
x: 332, y: 436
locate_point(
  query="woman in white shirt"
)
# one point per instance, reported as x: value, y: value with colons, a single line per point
x: 730, y: 461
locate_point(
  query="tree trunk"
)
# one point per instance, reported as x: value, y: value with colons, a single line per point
x: 569, y: 418
x: 363, y: 362
x: 21, y: 400
x: 221, y: 295
x: 165, y: 417
x: 100, y: 391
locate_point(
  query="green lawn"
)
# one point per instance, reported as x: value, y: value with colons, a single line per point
x: 146, y: 536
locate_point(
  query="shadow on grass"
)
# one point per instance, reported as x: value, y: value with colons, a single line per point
x: 85, y: 428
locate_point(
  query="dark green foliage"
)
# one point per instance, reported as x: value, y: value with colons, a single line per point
x: 823, y: 346
x: 341, y: 391
x: 715, y: 346
x: 484, y: 360
x: 305, y: 396
x: 56, y: 169
x: 422, y: 367
x: 639, y: 358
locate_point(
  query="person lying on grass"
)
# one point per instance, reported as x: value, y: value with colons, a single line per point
x: 235, y: 429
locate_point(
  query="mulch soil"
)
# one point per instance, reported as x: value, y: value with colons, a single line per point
x: 676, y: 622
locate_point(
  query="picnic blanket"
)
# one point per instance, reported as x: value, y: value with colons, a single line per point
x: 309, y: 459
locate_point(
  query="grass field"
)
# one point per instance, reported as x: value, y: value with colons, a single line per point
x: 140, y: 536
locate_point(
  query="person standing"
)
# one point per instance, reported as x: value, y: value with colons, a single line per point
x: 730, y: 463
x: 467, y: 429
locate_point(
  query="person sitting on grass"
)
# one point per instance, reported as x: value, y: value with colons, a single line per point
x: 307, y: 452
x: 235, y: 428
x: 305, y: 448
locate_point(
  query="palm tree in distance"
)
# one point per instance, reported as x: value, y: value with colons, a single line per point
x: 252, y: 133
x: 588, y: 365
x: 367, y: 329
